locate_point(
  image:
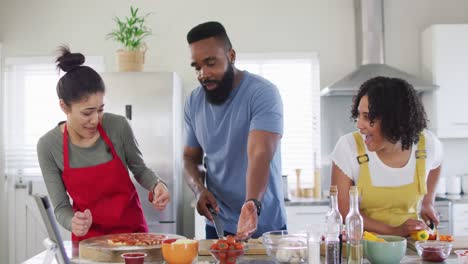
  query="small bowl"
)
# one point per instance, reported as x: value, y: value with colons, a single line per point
x: 433, y: 250
x: 179, y: 253
x: 285, y: 247
x: 389, y: 252
x: 462, y: 256
x: 134, y: 257
x: 228, y: 255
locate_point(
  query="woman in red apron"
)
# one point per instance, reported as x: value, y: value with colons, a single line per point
x: 393, y: 159
x: 105, y: 200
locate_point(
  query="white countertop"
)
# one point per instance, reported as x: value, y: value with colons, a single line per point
x: 410, y: 258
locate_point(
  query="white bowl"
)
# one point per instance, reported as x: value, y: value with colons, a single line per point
x: 285, y: 247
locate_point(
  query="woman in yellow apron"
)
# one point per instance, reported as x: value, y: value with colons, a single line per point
x: 393, y: 159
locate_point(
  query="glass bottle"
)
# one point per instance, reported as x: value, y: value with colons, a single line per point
x: 333, y: 222
x: 354, y: 229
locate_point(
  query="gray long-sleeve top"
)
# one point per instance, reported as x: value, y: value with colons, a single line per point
x: 50, y: 153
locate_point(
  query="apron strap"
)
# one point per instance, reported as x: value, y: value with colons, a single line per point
x: 421, y: 155
x: 107, y: 140
x: 363, y: 161
x: 66, y: 162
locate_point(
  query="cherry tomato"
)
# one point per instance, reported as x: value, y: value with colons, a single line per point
x: 222, y: 245
x: 239, y: 245
x: 231, y: 260
x: 230, y: 240
x: 214, y: 246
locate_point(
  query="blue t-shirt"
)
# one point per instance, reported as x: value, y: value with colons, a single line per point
x: 222, y: 132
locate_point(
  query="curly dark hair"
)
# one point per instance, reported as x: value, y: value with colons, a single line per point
x: 395, y: 103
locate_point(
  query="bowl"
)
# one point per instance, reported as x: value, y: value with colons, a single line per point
x: 179, y: 251
x: 389, y: 252
x: 285, y: 247
x: 462, y: 256
x: 134, y: 257
x: 433, y: 250
x: 224, y: 256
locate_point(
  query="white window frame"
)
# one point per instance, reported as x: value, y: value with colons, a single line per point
x: 310, y: 57
x: 26, y: 151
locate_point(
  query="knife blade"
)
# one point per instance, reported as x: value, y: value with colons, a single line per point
x: 217, y: 223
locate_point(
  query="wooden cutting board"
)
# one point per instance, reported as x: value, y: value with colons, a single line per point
x: 97, y: 249
x: 255, y: 247
x: 459, y: 242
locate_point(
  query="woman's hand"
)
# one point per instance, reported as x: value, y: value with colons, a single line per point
x: 81, y: 222
x: 409, y: 226
x: 161, y: 196
x: 428, y: 214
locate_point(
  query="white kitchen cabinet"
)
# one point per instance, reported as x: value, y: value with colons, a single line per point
x: 445, y: 63
x: 304, y: 218
x: 460, y: 219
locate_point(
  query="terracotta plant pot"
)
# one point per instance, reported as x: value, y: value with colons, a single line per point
x: 130, y: 61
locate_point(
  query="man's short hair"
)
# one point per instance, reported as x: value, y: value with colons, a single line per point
x: 207, y: 30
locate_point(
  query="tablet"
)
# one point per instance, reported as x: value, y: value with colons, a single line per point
x: 52, y: 228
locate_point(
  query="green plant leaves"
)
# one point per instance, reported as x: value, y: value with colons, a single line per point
x: 130, y: 31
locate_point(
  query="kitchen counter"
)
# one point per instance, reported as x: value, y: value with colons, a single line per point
x: 411, y: 257
x: 297, y: 201
x: 454, y: 198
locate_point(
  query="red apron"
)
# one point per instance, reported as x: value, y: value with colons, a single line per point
x: 107, y: 191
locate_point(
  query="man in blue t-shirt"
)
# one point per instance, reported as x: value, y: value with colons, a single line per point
x: 234, y: 122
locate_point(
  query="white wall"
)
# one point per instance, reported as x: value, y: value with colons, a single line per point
x: 260, y: 25
x: 3, y: 210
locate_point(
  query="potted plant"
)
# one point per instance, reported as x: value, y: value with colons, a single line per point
x: 130, y: 33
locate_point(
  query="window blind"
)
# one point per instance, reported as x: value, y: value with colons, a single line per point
x: 297, y: 78
x: 31, y: 108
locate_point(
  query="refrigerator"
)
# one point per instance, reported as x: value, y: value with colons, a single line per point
x: 153, y: 104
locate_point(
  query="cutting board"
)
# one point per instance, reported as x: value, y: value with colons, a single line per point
x: 255, y: 247
x: 97, y: 249
x: 459, y: 242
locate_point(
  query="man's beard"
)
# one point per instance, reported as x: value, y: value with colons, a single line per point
x: 224, y: 87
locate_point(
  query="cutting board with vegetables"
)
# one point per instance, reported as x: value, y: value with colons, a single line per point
x: 459, y: 242
x: 255, y: 247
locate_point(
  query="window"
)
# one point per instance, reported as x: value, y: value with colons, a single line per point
x: 30, y: 109
x: 297, y: 78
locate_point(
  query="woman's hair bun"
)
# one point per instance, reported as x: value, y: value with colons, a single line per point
x: 68, y: 61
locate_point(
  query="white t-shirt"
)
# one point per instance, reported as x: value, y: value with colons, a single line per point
x: 345, y: 153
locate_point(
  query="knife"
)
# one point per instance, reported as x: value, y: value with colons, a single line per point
x: 217, y: 222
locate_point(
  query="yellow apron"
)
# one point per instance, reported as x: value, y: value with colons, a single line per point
x: 391, y: 205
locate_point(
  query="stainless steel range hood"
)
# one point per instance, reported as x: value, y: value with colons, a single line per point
x: 370, y: 52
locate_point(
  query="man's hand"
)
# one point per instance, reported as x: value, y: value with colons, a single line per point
x: 161, y: 196
x: 248, y: 221
x: 206, y: 199
x: 81, y: 222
